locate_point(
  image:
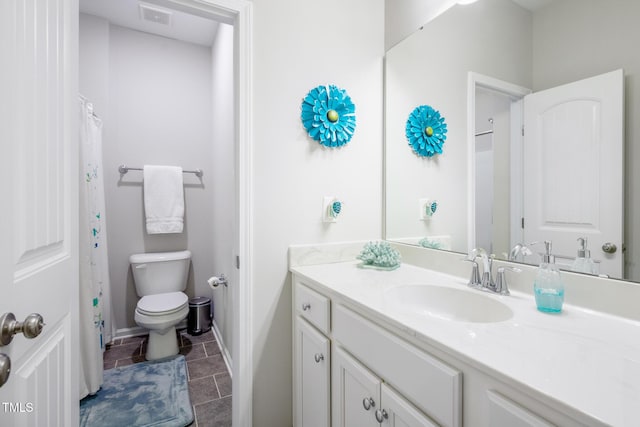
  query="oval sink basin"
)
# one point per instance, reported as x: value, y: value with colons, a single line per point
x: 447, y: 303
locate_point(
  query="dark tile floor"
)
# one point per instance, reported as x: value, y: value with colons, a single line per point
x: 209, y: 380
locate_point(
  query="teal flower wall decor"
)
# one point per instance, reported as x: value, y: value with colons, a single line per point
x: 426, y: 131
x: 328, y: 115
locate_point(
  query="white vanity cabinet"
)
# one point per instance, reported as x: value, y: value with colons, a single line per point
x: 408, y: 370
x: 350, y: 372
x: 312, y: 358
x: 360, y: 398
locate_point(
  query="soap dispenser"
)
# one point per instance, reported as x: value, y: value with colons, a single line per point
x: 583, y: 262
x: 548, y: 287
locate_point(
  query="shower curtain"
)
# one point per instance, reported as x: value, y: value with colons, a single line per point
x: 96, y: 327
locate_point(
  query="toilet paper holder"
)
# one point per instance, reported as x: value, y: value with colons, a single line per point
x: 215, y: 281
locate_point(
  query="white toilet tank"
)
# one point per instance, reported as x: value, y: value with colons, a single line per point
x: 160, y: 272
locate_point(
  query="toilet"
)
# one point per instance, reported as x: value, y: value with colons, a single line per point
x: 160, y: 279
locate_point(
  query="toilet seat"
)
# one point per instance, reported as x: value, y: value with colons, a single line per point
x: 162, y: 304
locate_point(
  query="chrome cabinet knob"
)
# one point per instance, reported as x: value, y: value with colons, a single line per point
x: 9, y: 326
x: 319, y: 357
x: 306, y: 306
x: 609, y: 248
x: 368, y: 403
x: 5, y: 368
x: 381, y: 415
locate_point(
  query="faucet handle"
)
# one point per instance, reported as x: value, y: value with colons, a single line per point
x: 474, y: 280
x: 501, y: 280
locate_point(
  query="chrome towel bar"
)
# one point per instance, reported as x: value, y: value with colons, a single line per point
x: 124, y: 169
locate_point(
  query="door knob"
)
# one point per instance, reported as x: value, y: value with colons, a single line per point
x: 609, y: 248
x: 9, y: 326
x: 5, y: 368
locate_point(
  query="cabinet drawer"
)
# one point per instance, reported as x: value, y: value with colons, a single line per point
x: 312, y: 306
x: 428, y: 383
x: 504, y: 412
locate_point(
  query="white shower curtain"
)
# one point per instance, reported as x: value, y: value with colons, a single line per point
x: 96, y: 326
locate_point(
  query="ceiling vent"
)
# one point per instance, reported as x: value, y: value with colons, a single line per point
x: 155, y: 14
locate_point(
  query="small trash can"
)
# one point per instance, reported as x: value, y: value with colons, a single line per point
x: 199, y: 319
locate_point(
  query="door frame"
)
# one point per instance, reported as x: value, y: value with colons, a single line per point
x: 239, y: 14
x: 516, y: 93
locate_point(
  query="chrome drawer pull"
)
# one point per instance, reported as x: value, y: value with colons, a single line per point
x: 306, y: 306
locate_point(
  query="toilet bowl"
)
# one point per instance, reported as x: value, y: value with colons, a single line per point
x: 160, y: 279
x: 160, y: 316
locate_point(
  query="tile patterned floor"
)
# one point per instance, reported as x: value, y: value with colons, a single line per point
x: 209, y: 380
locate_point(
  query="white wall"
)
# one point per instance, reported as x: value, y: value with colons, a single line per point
x: 297, y: 46
x: 223, y: 218
x: 431, y: 67
x: 403, y: 17
x: 158, y: 112
x: 575, y: 39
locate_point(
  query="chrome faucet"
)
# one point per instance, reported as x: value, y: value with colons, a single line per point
x: 486, y: 283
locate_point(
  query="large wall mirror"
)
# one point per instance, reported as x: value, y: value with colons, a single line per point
x: 480, y: 65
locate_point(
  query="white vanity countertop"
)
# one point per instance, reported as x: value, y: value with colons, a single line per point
x: 587, y: 360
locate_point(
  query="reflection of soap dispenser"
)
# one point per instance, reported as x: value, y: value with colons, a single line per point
x: 583, y: 262
x: 548, y: 287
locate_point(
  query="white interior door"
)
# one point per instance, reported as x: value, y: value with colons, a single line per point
x: 574, y: 170
x: 38, y: 226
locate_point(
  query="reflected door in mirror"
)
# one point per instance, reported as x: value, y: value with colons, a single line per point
x: 573, y: 168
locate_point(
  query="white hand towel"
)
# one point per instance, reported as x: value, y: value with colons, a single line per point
x: 163, y: 199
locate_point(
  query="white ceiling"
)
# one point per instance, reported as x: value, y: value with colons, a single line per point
x: 126, y: 13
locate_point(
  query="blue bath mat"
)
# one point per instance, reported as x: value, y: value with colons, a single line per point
x: 153, y: 393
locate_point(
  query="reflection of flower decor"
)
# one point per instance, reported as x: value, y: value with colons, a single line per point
x: 426, y: 131
x: 329, y: 116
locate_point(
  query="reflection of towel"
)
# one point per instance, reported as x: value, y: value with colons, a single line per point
x: 163, y: 199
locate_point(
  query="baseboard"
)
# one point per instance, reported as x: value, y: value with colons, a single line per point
x: 226, y: 356
x: 137, y: 331
x: 130, y: 332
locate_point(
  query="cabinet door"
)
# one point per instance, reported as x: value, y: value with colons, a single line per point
x: 395, y: 411
x: 312, y: 376
x: 356, y: 392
